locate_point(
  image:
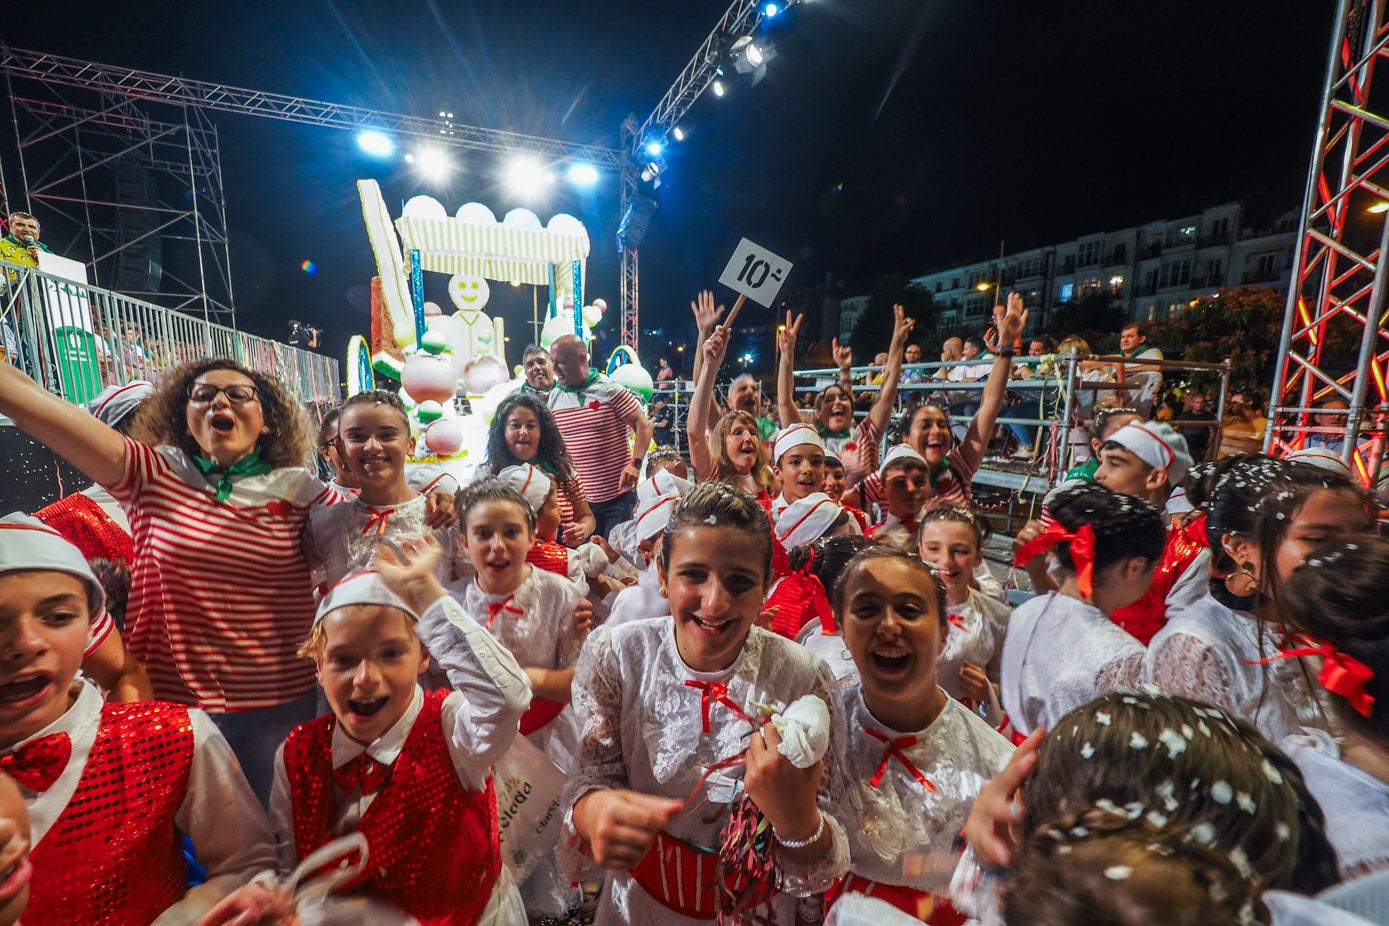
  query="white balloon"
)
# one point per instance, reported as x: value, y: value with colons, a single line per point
x: 483, y: 373
x: 565, y: 224
x: 522, y: 218
x: 476, y: 214
x: 424, y: 207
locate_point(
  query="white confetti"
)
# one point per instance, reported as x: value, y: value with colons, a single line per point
x: 1246, y: 803
x: 1138, y: 741
x: 1222, y: 793
x: 1187, y: 731
x: 1174, y: 741
x: 1203, y: 833
x: 1117, y: 872
x: 1284, y: 832
x: 1272, y: 773
x: 1205, y: 730
x: 1102, y: 718
x: 1157, y: 819
x: 1087, y: 751
x: 1135, y: 810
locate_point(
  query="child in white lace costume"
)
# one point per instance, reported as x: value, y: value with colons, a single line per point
x: 917, y: 757
x: 1224, y: 649
x: 673, y: 738
x: 952, y: 538
x: 1062, y: 650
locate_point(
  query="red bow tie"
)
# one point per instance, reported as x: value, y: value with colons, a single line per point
x: 497, y: 607
x: 362, y: 773
x: 716, y: 691
x: 376, y: 520
x: 38, y: 763
x: 893, y: 750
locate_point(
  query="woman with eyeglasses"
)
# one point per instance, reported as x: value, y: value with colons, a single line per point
x: 213, y: 478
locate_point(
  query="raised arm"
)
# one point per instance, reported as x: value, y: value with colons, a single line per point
x: 892, y: 372
x: 701, y: 402
x: 62, y: 427
x: 706, y: 320
x: 787, y: 413
x: 1009, y: 322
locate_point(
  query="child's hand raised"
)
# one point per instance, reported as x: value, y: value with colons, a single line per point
x: 411, y: 570
x: 619, y: 826
x: 786, y: 795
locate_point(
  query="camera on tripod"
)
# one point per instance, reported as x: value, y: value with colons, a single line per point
x: 302, y: 335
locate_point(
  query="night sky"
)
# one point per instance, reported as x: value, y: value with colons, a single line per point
x: 888, y: 136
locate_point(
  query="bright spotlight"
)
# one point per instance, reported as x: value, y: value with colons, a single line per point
x: 433, y: 163
x: 754, y: 55
x: 526, y: 177
x: 377, y: 144
x: 654, y: 148
x: 770, y: 10
x: 679, y: 133
x: 1378, y: 208
x: 581, y: 174
x: 719, y: 89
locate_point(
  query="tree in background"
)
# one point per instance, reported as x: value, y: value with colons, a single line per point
x: 1095, y: 318
x: 873, y: 330
x: 1242, y: 324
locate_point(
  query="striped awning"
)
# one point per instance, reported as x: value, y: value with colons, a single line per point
x: 495, y: 252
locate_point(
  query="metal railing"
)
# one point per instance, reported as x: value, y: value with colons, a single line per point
x: 76, y: 340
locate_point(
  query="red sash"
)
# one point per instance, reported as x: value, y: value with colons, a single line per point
x: 681, y: 878
x: 923, y: 905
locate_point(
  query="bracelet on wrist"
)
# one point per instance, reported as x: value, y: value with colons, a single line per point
x: 802, y: 843
x: 1009, y: 352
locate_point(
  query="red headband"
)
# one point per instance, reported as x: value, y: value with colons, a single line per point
x: 1082, y: 551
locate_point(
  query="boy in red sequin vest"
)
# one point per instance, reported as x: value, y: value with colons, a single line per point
x: 111, y: 789
x: 411, y: 771
x: 1149, y: 460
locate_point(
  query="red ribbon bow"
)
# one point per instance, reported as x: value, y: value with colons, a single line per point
x: 957, y: 620
x: 38, y: 763
x: 1082, y: 551
x: 893, y: 749
x: 1340, y: 674
x: 716, y: 691
x: 820, y: 601
x: 497, y: 607
x: 377, y: 520
x: 362, y: 773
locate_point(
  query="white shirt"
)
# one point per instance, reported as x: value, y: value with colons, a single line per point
x: 219, y: 811
x: 1356, y: 803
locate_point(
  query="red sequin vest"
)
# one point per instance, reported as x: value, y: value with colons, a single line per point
x: 1146, y: 616
x: 433, y: 846
x: 114, y: 856
x: 550, y: 556
x: 89, y: 528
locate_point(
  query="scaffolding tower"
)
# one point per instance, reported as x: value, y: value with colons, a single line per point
x: 1334, y: 340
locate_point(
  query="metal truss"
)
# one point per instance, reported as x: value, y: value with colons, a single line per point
x: 1334, y: 339
x: 130, y: 190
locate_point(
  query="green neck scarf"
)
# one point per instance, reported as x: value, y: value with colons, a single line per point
x: 826, y: 434
x: 589, y: 380
x: 249, y: 465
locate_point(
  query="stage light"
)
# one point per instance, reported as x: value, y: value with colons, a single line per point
x: 754, y: 55
x: 719, y: 88
x: 377, y: 144
x: 770, y: 10
x: 526, y: 177
x: 433, y: 163
x: 582, y: 175
x: 654, y: 148
x: 1378, y: 208
x: 679, y: 133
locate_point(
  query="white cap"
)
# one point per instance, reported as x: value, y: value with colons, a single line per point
x: 1321, y: 458
x: 653, y: 515
x: 662, y: 482
x: 899, y: 453
x: 1159, y: 445
x: 795, y: 436
x: 29, y: 544
x: 361, y: 588
x: 530, y: 482
x: 806, y: 519
x: 116, y: 403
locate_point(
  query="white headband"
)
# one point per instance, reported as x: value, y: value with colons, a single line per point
x: 795, y: 436
x: 1159, y: 445
x: 654, y: 514
x: 361, y: 588
x: 1321, y: 458
x: 806, y: 519
x: 899, y: 453
x: 530, y: 482
x: 28, y: 544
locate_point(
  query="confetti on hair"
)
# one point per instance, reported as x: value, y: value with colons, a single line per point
x: 1222, y: 793
x: 1272, y: 773
x: 1246, y: 803
x: 1138, y: 741
x: 1087, y: 751
x: 1203, y: 833
x: 1102, y: 718
x: 1284, y: 832
x: 1175, y: 743
x: 1157, y: 819
x: 1118, y: 872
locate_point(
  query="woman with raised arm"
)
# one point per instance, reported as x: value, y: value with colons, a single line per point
x: 926, y: 428
x: 733, y: 453
x: 213, y: 479
x: 856, y: 446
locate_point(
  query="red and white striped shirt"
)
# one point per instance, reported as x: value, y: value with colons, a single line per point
x: 593, y: 423
x: 858, y: 452
x: 220, y: 595
x: 954, y: 484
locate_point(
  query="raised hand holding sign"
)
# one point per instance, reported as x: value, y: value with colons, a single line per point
x: 754, y: 273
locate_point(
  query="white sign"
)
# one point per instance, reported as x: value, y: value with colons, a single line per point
x: 68, y: 306
x: 756, y: 273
